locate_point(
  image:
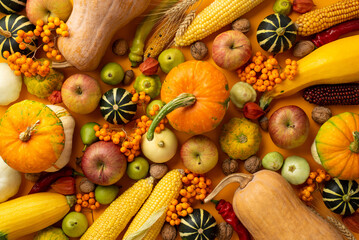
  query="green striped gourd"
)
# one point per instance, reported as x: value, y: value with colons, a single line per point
x: 199, y: 225
x: 12, y: 6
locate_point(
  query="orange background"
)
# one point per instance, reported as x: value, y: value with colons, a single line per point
x: 255, y: 17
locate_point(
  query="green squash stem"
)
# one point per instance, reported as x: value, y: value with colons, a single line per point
x: 182, y: 100
x: 354, y: 146
x: 265, y: 100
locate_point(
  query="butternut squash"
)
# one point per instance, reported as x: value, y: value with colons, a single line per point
x: 92, y: 24
x: 268, y: 207
x: 333, y: 63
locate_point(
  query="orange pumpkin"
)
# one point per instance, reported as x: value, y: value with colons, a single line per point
x: 31, y: 137
x: 196, y: 96
x: 337, y: 146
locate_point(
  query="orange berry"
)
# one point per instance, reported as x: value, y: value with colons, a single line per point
x: 288, y: 61
x: 92, y: 207
x: 51, y: 25
x: 84, y: 204
x: 77, y: 208
x: 174, y: 202
x: 172, y: 208
x: 97, y: 204
x: 319, y: 179
x: 45, y: 39
x: 65, y: 33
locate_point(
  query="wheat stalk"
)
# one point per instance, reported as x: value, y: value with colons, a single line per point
x: 186, y: 22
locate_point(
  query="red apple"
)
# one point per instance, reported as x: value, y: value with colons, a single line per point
x: 42, y: 9
x: 288, y: 127
x: 81, y: 93
x: 231, y: 50
x: 103, y: 163
x: 199, y: 154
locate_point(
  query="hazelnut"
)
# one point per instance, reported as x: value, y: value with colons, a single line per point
x: 199, y: 50
x: 129, y: 76
x: 321, y: 114
x: 158, y: 170
x: 253, y: 164
x: 168, y: 232
x: 32, y: 177
x: 303, y: 48
x: 224, y: 231
x: 86, y: 186
x: 243, y: 25
x: 263, y: 123
x: 120, y: 47
x: 229, y: 166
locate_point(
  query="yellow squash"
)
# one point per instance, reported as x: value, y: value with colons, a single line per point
x: 31, y: 213
x: 333, y: 63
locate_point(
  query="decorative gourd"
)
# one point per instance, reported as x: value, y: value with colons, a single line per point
x: 32, y: 137
x: 162, y: 148
x: 240, y: 138
x: 10, y: 181
x: 9, y: 25
x: 92, y: 26
x: 31, y: 213
x: 10, y: 85
x: 117, y: 107
x: 68, y: 122
x: 337, y: 146
x: 51, y: 233
x: 42, y: 87
x: 269, y: 208
x: 198, y: 225
x: 196, y: 96
x: 326, y: 65
x: 341, y: 196
x: 276, y: 33
x: 12, y: 6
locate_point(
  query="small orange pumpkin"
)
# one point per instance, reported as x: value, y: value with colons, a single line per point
x: 196, y: 96
x: 31, y: 137
x: 337, y: 146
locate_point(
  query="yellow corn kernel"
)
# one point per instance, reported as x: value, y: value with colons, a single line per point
x: 217, y: 15
x: 320, y: 19
x: 165, y: 191
x: 116, y: 216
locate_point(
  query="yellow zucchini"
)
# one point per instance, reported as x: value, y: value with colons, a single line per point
x: 31, y: 213
x: 333, y: 63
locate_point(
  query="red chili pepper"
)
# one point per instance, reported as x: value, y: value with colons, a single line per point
x: 64, y: 185
x: 252, y: 111
x: 47, y: 179
x: 335, y: 32
x: 225, y: 209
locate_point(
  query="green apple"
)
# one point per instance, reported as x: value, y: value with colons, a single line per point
x: 295, y: 170
x: 74, y: 224
x: 106, y: 194
x: 273, y: 161
x: 138, y: 168
x: 112, y: 73
x: 170, y: 58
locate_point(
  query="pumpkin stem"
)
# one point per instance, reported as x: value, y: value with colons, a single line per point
x: 242, y: 178
x: 354, y: 146
x: 25, y: 136
x: 5, y: 33
x: 182, y: 100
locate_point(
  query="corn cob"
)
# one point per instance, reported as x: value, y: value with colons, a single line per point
x: 217, y: 15
x: 115, y: 218
x: 320, y: 19
x: 333, y: 94
x: 166, y: 190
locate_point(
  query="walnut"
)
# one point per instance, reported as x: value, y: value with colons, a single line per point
x: 253, y: 164
x: 224, y: 231
x: 158, y: 170
x: 243, y: 25
x: 120, y: 47
x: 86, y: 186
x: 229, y: 166
x: 321, y: 114
x: 199, y: 50
x: 168, y: 232
x: 129, y: 76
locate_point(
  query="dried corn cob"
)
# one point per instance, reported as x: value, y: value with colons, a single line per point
x: 115, y: 218
x: 217, y: 15
x: 333, y: 94
x: 320, y: 19
x: 166, y: 190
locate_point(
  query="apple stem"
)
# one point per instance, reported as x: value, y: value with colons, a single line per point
x: 25, y: 136
x: 182, y: 100
x: 354, y: 146
x: 84, y: 148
